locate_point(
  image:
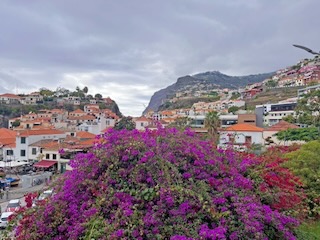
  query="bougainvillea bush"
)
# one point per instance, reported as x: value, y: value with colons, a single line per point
x: 161, y: 184
x: 277, y: 185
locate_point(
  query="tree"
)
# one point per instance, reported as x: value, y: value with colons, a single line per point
x: 305, y: 163
x: 125, y: 123
x: 62, y: 92
x: 271, y: 83
x: 46, y: 92
x: 181, y: 123
x: 299, y: 134
x: 89, y: 96
x: 16, y: 123
x: 85, y: 90
x: 308, y: 108
x: 98, y: 96
x: 233, y: 109
x: 212, y: 123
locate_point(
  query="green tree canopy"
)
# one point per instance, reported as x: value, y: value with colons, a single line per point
x: 305, y: 163
x: 98, y: 96
x: 125, y: 123
x: 299, y: 134
x: 308, y: 108
x: 212, y: 123
x: 233, y: 109
x: 181, y: 123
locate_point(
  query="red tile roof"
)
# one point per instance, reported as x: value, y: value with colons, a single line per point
x: 143, y: 118
x: 77, y: 111
x: 84, y: 134
x: 27, y: 133
x: 6, y: 133
x: 243, y: 127
x: 10, y: 95
x: 280, y: 126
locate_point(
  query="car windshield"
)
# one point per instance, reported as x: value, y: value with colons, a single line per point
x: 13, y: 205
x: 4, y: 219
x: 44, y: 196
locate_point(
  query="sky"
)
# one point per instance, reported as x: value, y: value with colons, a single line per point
x: 128, y: 50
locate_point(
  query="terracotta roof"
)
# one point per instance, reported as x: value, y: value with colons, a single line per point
x: 12, y: 145
x: 143, y: 118
x: 78, y: 111
x: 84, y: 134
x: 280, y: 126
x: 10, y: 95
x: 39, y: 132
x: 243, y: 127
x: 89, y: 142
x: 6, y: 133
x: 44, y: 143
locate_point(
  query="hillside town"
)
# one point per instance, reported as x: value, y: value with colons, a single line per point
x: 39, y: 137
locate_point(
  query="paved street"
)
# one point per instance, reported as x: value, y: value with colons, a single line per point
x: 19, y: 193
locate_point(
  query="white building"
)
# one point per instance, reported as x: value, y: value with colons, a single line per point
x: 98, y: 125
x: 241, y: 134
x: 141, y: 123
x: 25, y: 138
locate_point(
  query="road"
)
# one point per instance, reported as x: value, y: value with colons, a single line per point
x: 18, y: 193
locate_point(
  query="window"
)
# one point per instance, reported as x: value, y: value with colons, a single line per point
x: 54, y: 156
x: 22, y: 153
x: 47, y: 156
x: 248, y: 139
x: 72, y: 134
x: 9, y: 152
x: 141, y: 124
x: 34, y: 151
x: 23, y: 140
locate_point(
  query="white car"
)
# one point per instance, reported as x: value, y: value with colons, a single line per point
x: 13, y: 205
x: 4, y: 219
x: 46, y: 194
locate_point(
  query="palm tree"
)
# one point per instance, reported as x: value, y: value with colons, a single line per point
x: 212, y: 123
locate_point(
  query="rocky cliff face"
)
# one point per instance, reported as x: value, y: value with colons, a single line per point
x: 203, y: 81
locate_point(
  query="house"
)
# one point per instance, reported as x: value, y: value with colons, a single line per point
x: 77, y: 113
x: 57, y: 153
x: 7, y: 141
x: 270, y: 114
x: 241, y: 134
x: 31, y: 99
x: 142, y: 122
x: 91, y: 108
x: 27, y: 137
x: 269, y: 133
x: 9, y: 98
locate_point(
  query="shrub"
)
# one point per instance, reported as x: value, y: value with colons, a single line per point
x: 161, y: 184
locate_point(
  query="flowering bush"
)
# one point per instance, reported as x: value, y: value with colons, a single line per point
x: 160, y: 184
x: 277, y: 185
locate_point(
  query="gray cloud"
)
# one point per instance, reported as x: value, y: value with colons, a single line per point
x: 129, y: 49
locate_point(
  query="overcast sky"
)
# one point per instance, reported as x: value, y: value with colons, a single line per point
x: 128, y: 49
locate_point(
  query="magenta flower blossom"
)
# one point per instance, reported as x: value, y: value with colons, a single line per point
x: 161, y: 184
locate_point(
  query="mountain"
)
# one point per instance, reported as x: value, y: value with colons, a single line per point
x: 203, y: 81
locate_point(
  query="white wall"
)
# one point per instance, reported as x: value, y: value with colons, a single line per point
x: 239, y: 137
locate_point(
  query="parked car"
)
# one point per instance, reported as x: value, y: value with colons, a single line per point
x: 13, y: 205
x: 4, y: 219
x: 46, y: 194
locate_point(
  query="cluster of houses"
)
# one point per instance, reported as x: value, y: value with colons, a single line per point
x: 304, y: 73
x: 36, y: 98
x: 40, y: 137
